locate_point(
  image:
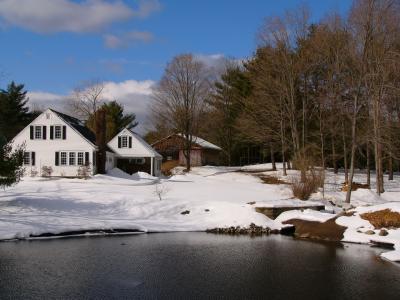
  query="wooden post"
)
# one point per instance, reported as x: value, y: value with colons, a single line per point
x: 151, y: 165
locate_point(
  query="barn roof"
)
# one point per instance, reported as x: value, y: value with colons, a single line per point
x: 196, y: 140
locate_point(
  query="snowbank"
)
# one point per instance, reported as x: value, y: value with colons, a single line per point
x: 357, y: 229
x: 307, y: 215
x: 120, y: 201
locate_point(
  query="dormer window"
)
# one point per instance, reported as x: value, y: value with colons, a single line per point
x: 124, y: 141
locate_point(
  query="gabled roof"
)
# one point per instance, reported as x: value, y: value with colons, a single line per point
x: 150, y: 151
x: 145, y: 144
x: 77, y: 125
x: 196, y: 140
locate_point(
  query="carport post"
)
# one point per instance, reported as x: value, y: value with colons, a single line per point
x: 151, y: 166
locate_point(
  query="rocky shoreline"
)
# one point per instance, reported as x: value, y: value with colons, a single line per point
x: 253, y: 230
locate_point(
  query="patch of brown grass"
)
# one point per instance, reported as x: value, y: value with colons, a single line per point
x: 354, y: 186
x: 383, y: 218
x: 167, y: 166
x: 268, y: 179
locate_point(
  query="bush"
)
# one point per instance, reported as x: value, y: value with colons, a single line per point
x: 47, y: 171
x: 34, y: 172
x: 303, y: 189
x: 83, y: 172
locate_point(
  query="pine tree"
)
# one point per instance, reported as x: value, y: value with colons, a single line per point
x: 14, y: 114
x: 11, y: 169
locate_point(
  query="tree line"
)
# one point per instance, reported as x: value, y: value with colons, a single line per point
x: 320, y: 94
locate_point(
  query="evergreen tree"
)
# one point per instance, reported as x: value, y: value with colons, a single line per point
x: 14, y: 114
x: 116, y: 119
x: 11, y: 161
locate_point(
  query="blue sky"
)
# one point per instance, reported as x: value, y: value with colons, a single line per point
x: 53, y: 45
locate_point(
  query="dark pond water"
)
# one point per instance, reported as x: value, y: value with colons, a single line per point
x: 193, y: 266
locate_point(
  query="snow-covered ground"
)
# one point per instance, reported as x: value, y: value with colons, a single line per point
x: 209, y: 197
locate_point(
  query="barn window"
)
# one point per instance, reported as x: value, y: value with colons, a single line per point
x: 124, y: 141
x: 38, y: 132
x: 63, y: 156
x: 80, y: 159
x: 57, y: 132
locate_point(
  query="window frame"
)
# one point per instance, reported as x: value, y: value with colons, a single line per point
x: 124, y: 139
x: 78, y: 158
x: 61, y: 158
x: 55, y: 132
x: 36, y: 131
x: 72, y: 155
x: 27, y: 156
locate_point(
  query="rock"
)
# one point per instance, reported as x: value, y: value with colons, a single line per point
x: 369, y: 232
x: 383, y: 232
x: 206, y: 210
x: 252, y: 202
x: 186, y: 212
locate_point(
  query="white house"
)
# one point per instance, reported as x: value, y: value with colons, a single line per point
x: 131, y: 154
x: 63, y: 143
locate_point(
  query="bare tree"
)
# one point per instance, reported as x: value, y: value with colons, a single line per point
x: 86, y: 99
x: 179, y: 98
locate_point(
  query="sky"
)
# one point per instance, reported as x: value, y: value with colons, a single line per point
x: 52, y: 46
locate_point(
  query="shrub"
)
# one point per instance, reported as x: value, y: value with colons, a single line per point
x: 47, y: 171
x: 303, y: 189
x: 83, y: 172
x: 34, y: 172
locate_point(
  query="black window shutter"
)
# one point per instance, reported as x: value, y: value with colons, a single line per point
x: 64, y: 132
x: 33, y: 158
x: 51, y: 132
x: 57, y: 158
x: 119, y: 142
x: 130, y: 142
x: 31, y: 132
x: 44, y: 132
x: 86, y: 158
x: 94, y: 157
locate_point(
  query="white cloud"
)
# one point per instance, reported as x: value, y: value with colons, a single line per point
x: 47, y: 16
x: 134, y: 95
x: 129, y: 38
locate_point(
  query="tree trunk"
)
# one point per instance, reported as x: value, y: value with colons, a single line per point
x: 273, y: 158
x: 346, y: 169
x: 368, y: 166
x: 289, y: 166
x: 334, y: 163
x: 390, y: 167
x: 353, y: 145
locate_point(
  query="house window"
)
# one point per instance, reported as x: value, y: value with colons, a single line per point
x: 80, y: 159
x: 38, y: 132
x: 57, y: 132
x: 124, y: 142
x: 139, y: 161
x: 63, y: 156
x: 47, y: 116
x: 27, y: 158
x: 72, y: 158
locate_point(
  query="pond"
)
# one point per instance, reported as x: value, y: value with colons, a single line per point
x: 193, y: 266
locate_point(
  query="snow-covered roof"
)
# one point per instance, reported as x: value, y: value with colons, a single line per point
x: 145, y: 144
x: 196, y: 140
x: 202, y: 143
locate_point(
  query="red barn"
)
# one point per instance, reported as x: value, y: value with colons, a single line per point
x: 202, y: 153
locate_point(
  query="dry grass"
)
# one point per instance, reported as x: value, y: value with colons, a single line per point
x: 354, y: 186
x: 167, y: 166
x: 383, y: 218
x: 304, y: 189
x: 268, y: 179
